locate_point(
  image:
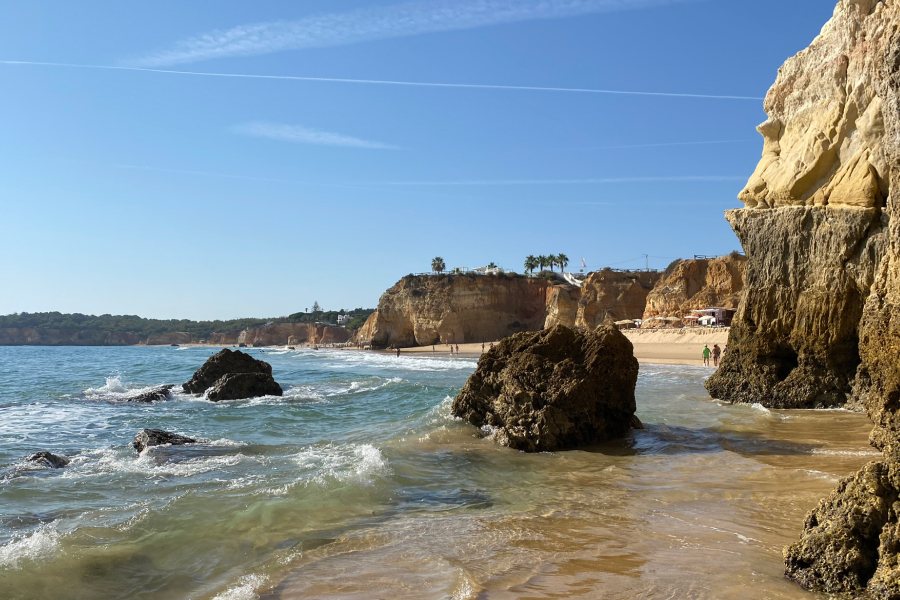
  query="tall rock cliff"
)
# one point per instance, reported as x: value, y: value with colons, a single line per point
x: 815, y: 217
x: 614, y: 295
x: 820, y: 317
x: 427, y: 309
x: 691, y: 283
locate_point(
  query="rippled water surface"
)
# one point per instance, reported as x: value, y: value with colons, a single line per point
x: 358, y: 484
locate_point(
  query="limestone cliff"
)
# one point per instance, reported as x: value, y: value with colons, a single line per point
x: 428, y: 309
x: 696, y: 283
x: 814, y: 220
x: 819, y: 321
x: 281, y: 334
x: 52, y: 336
x: 614, y: 295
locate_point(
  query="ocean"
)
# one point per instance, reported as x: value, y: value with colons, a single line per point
x: 358, y: 483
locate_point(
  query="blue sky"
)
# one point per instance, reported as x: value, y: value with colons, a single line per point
x: 132, y: 189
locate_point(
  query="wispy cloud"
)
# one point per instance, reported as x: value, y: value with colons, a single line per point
x: 586, y: 181
x: 369, y: 24
x: 425, y: 84
x: 304, y: 135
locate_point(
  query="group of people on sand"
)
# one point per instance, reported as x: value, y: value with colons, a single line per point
x: 716, y: 354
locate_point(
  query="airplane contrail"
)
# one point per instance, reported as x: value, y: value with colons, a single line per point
x: 426, y: 84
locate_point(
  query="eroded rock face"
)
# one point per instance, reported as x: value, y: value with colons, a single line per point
x: 820, y: 318
x: 691, y: 283
x: 281, y: 334
x: 844, y: 536
x: 608, y: 295
x: 157, y: 437
x: 553, y: 390
x: 426, y: 309
x: 816, y: 219
x: 228, y: 363
x: 793, y: 342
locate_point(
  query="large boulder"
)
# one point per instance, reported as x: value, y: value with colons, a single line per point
x: 232, y: 362
x: 553, y: 389
x: 235, y: 386
x: 157, y: 437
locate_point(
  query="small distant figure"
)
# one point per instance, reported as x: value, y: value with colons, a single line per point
x: 398, y: 352
x: 451, y: 349
x: 457, y: 348
x: 482, y: 347
x: 706, y: 353
x: 432, y: 348
x: 717, y: 353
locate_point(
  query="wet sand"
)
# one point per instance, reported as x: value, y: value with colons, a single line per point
x: 651, y: 346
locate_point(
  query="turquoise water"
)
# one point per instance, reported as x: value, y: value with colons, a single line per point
x: 358, y: 483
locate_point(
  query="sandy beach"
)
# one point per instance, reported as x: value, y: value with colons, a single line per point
x: 656, y: 346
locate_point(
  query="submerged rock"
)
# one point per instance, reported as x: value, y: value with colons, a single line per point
x: 157, y: 437
x: 233, y: 362
x: 48, y: 459
x: 235, y: 386
x: 553, y: 389
x: 163, y: 392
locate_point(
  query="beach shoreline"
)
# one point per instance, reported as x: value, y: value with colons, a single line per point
x: 651, y: 346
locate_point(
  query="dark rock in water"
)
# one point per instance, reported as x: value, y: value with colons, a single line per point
x: 851, y: 540
x: 162, y: 392
x: 48, y: 459
x: 236, y: 386
x: 157, y: 437
x: 554, y: 389
x: 225, y: 362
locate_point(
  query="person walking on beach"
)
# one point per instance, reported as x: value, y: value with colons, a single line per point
x: 398, y: 351
x: 706, y: 354
x: 717, y: 352
x: 457, y: 349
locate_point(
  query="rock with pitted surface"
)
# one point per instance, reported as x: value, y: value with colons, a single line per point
x: 224, y: 362
x: 850, y: 540
x: 235, y: 386
x: 48, y: 459
x: 157, y: 437
x: 553, y: 390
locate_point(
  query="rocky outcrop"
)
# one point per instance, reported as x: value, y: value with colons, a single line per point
x: 219, y: 375
x: 157, y: 437
x: 850, y: 540
x: 814, y: 223
x: 162, y: 392
x: 426, y: 309
x: 692, y: 283
x: 819, y: 321
x: 235, y: 386
x: 48, y: 459
x: 554, y: 389
x: 609, y: 295
x: 290, y: 334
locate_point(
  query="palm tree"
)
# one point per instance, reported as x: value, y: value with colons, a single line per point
x: 492, y: 265
x: 551, y: 261
x: 562, y: 260
x: 438, y: 265
x: 531, y: 263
